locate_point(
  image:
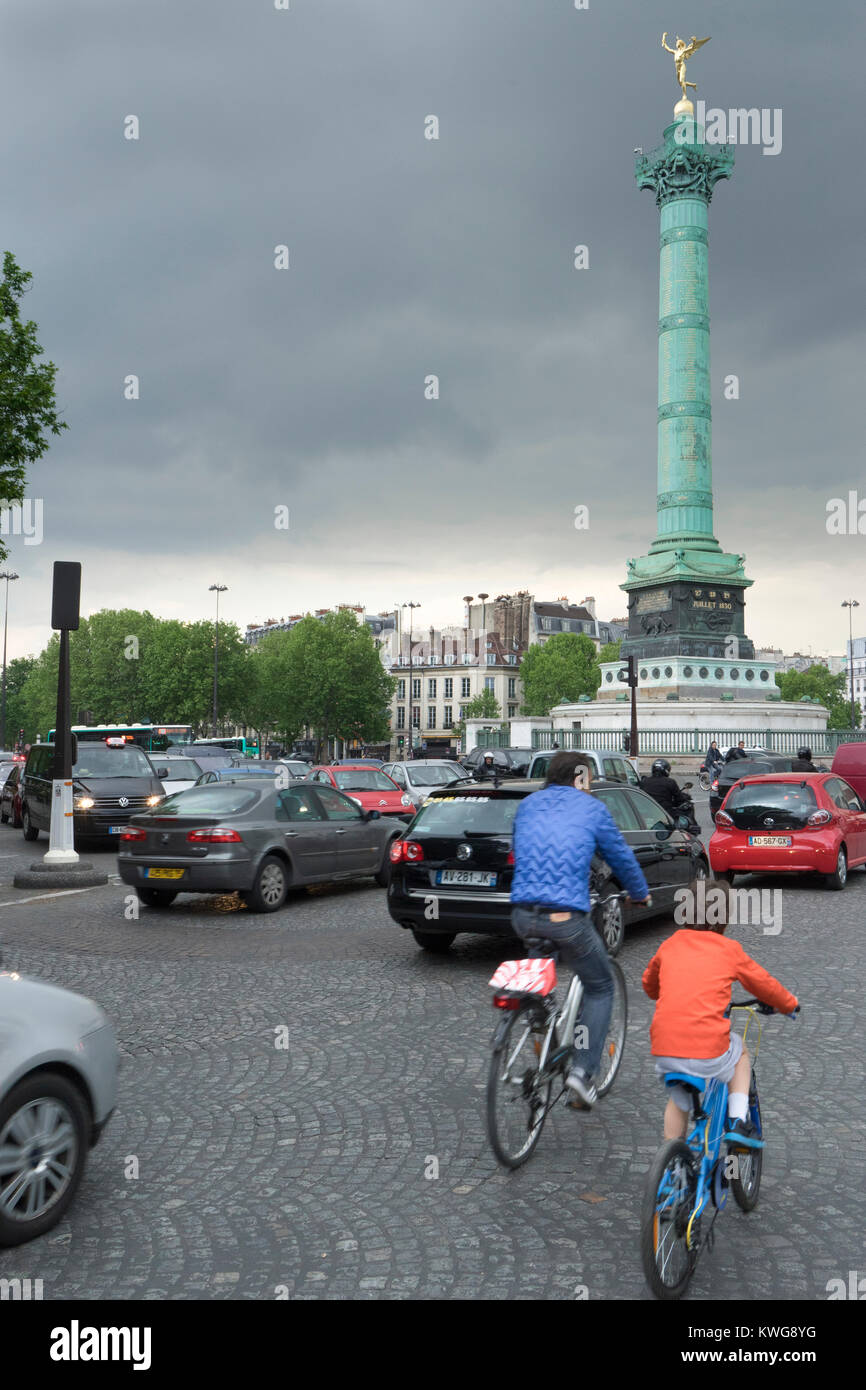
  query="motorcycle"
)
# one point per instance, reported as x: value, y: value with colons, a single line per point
x: 687, y: 808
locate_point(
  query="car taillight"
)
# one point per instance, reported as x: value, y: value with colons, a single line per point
x: 506, y: 1001
x: 133, y: 833
x: 715, y: 785
x: 395, y: 853
x: 412, y: 852
x: 510, y: 859
x: 819, y: 818
x: 722, y: 818
x: 217, y: 835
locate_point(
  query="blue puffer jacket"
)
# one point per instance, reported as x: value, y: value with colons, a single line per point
x: 556, y: 832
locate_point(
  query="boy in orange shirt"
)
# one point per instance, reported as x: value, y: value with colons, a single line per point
x: 690, y: 977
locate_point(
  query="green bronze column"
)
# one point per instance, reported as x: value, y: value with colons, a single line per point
x: 682, y: 174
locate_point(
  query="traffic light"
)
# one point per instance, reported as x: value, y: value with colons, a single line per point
x: 628, y: 674
x: 399, y: 740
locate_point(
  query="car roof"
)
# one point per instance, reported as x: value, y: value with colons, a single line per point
x: 524, y: 785
x: 786, y: 777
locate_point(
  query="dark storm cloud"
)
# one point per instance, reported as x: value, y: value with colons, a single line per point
x: 411, y: 257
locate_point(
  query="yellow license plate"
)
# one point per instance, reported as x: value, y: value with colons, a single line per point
x: 163, y: 873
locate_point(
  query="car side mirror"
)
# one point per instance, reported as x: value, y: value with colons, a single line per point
x: 683, y: 822
x: 373, y: 815
x: 162, y: 772
x: 662, y: 830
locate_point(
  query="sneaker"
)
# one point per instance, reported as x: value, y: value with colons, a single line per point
x: 578, y: 1081
x: 741, y: 1134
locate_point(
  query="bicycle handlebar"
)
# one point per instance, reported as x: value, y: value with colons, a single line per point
x: 762, y: 1008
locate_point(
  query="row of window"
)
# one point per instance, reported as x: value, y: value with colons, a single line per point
x: 448, y: 682
x: 432, y: 722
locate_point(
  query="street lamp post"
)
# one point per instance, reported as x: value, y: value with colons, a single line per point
x: 851, y: 604
x: 217, y: 589
x: 411, y: 734
x: 7, y: 575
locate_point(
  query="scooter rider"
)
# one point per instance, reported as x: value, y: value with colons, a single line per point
x: 663, y: 789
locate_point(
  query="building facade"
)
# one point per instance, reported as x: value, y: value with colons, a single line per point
x: 445, y: 674
x: 856, y: 651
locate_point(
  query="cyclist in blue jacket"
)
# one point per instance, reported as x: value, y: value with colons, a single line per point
x: 556, y: 832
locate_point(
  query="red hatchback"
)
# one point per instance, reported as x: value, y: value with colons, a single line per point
x: 790, y: 822
x: 368, y: 786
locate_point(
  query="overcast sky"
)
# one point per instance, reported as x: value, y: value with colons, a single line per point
x: 304, y: 388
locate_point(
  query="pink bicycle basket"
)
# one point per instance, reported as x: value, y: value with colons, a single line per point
x: 534, y: 976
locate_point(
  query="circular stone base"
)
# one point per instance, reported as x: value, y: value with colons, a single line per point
x: 47, y: 877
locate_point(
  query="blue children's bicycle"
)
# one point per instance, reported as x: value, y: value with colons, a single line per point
x: 689, y: 1180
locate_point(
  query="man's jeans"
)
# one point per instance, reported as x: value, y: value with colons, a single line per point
x: 583, y: 951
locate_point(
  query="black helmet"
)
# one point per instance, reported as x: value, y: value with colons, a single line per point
x: 805, y: 754
x: 661, y: 768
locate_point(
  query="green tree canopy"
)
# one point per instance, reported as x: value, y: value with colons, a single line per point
x: 27, y: 402
x: 831, y: 690
x: 562, y: 669
x: 609, y: 652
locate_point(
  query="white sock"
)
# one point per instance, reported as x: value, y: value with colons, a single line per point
x: 738, y: 1105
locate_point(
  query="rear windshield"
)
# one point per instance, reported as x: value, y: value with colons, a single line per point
x: 363, y: 779
x: 788, y: 804
x: 468, y: 815
x: 180, y: 770
x: 433, y: 776
x: 96, y: 761
x: 213, y: 800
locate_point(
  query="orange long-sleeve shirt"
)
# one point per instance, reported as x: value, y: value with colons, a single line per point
x: 690, y: 977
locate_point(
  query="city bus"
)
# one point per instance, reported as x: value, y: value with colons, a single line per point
x: 247, y: 747
x: 153, y: 738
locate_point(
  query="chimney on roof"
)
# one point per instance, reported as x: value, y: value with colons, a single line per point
x: 589, y: 605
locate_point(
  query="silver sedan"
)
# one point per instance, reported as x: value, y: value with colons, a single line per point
x: 419, y: 777
x: 58, y: 1086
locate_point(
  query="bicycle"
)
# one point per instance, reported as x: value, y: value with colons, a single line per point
x: 705, y: 778
x: 688, y: 1175
x: 532, y: 1046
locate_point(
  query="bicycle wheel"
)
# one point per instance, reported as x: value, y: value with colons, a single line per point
x: 614, y: 1042
x: 704, y: 781
x: 669, y: 1200
x: 517, y: 1094
x: 747, y: 1184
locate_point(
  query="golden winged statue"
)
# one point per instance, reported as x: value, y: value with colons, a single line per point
x: 682, y: 53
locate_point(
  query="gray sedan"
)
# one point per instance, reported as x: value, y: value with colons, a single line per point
x: 254, y: 838
x: 58, y: 1086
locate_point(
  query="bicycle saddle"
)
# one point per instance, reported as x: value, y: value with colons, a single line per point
x: 684, y: 1078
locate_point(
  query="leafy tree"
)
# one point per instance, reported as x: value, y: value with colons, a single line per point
x: 609, y: 652
x: 325, y: 673
x: 562, y: 669
x: 831, y: 690
x: 17, y: 673
x: 27, y: 402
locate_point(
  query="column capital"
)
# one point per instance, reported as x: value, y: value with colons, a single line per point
x: 685, y: 166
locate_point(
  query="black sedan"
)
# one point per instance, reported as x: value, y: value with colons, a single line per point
x: 732, y: 772
x: 10, y: 797
x: 250, y: 837
x: 451, y: 871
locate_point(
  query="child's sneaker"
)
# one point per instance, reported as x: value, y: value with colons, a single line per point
x: 741, y: 1134
x: 578, y: 1081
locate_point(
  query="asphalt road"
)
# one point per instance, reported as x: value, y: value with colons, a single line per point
x: 352, y: 1162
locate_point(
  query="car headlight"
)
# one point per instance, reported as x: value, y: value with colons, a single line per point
x: 154, y: 800
x: 83, y: 803
x: 405, y: 800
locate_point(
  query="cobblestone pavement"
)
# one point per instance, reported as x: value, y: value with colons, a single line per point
x: 308, y: 1171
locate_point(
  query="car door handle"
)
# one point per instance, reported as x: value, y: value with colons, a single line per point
x: 290, y: 834
x: 339, y: 832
